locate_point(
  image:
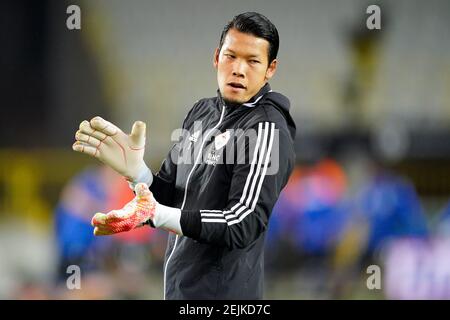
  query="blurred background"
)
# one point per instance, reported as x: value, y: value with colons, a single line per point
x: 372, y: 107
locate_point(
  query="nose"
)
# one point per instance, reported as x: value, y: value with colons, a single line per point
x: 239, y: 69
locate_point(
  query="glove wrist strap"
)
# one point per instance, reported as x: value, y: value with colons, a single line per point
x: 145, y: 175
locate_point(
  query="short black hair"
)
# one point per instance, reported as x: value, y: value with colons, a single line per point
x: 255, y: 24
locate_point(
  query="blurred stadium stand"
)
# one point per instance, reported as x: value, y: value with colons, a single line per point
x: 372, y: 110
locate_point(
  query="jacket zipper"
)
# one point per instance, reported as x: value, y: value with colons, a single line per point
x: 186, y: 190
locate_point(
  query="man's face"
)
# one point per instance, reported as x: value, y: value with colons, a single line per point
x: 242, y: 66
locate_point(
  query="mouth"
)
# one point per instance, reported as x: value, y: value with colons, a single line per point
x: 236, y: 85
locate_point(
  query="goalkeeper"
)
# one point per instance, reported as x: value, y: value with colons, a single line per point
x: 217, y: 206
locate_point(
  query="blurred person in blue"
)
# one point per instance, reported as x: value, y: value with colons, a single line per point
x: 75, y: 242
x: 384, y: 209
x: 309, y: 221
x: 392, y: 209
x: 311, y: 210
x: 92, y: 189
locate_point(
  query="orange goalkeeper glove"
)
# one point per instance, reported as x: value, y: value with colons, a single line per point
x: 134, y: 214
x: 143, y: 209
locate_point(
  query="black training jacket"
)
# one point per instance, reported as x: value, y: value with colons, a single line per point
x: 226, y: 195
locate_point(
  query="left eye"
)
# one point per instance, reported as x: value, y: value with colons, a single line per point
x: 254, y: 61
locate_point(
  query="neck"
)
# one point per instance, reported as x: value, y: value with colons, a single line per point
x: 264, y: 89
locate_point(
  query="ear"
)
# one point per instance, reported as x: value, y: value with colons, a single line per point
x: 271, y: 69
x: 216, y: 58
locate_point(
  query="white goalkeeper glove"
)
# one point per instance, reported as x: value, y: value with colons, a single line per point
x: 123, y: 153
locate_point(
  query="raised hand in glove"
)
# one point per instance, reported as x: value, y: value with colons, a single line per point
x: 122, y: 152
